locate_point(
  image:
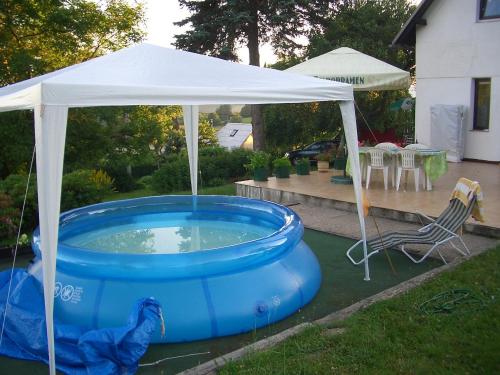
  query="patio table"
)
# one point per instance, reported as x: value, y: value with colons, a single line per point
x: 433, y: 162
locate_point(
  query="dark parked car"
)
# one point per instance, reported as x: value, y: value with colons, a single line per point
x: 312, y: 150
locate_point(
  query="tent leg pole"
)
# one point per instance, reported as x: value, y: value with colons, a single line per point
x: 50, y: 137
x: 191, y: 116
x: 351, y: 136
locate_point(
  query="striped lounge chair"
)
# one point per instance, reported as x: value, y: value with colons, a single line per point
x: 443, y: 229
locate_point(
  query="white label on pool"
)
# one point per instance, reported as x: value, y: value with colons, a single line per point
x: 68, y: 292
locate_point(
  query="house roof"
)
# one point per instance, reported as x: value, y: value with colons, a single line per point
x: 406, y: 35
x: 234, y: 134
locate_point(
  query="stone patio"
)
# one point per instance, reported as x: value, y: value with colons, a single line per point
x: 330, y: 208
x: 316, y: 190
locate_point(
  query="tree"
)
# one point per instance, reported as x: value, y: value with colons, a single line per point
x: 153, y: 132
x: 16, y: 142
x: 219, y: 27
x: 369, y: 27
x: 246, y: 111
x: 224, y: 112
x: 366, y: 25
x: 38, y: 37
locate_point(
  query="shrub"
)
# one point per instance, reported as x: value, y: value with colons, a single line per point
x: 142, y: 170
x: 259, y: 159
x: 145, y: 182
x: 9, y: 217
x: 217, y: 166
x: 211, y: 151
x: 79, y: 188
x: 282, y: 163
x: 172, y: 176
x: 117, y: 170
x: 237, y: 160
x: 303, y: 162
x: 15, y: 187
x: 102, y: 180
x: 217, y: 181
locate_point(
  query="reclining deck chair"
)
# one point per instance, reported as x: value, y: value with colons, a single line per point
x: 465, y: 200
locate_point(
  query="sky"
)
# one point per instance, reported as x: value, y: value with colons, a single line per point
x: 161, y: 14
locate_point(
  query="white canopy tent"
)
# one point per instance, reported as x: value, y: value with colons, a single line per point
x: 150, y: 75
x: 363, y: 72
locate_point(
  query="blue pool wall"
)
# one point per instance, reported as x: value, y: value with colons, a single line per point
x: 203, y: 294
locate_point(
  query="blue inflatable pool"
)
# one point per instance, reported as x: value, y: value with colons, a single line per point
x: 218, y: 265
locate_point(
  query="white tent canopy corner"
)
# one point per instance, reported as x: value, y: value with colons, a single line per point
x: 146, y: 74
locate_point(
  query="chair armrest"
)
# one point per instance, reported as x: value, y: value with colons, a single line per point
x: 426, y: 227
x: 434, y: 224
x: 425, y: 216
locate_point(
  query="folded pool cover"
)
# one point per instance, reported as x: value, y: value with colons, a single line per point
x: 78, y: 350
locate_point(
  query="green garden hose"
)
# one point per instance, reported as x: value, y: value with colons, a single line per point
x: 450, y: 301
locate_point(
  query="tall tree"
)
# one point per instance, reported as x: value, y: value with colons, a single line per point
x: 219, y: 27
x: 369, y: 27
x: 37, y: 37
x: 365, y: 25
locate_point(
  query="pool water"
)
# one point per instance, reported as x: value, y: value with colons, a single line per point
x: 167, y: 234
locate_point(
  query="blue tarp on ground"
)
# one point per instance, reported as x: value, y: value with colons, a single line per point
x: 78, y: 351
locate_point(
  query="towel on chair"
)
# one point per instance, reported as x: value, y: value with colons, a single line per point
x: 464, y: 191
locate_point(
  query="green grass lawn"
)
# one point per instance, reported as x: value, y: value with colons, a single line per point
x: 394, y: 336
x: 228, y: 189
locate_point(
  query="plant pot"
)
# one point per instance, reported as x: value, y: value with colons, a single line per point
x: 323, y: 166
x: 340, y: 164
x: 282, y: 172
x: 302, y: 169
x: 260, y: 174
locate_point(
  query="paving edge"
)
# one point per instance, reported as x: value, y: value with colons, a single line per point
x: 280, y: 196
x: 210, y: 367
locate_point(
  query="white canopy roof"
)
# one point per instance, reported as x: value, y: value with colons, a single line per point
x: 149, y: 74
x: 152, y: 75
x: 362, y: 71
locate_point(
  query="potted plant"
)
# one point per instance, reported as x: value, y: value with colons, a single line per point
x: 323, y: 162
x: 282, y: 167
x: 259, y: 165
x: 302, y: 166
x: 340, y: 164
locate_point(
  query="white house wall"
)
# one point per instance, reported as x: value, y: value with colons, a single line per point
x: 452, y: 49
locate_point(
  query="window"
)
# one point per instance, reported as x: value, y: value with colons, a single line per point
x: 489, y: 9
x: 482, y: 88
x: 313, y: 147
x: 233, y: 132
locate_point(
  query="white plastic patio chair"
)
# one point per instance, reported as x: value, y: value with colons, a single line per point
x: 419, y: 162
x: 376, y: 161
x: 406, y: 163
x: 390, y: 147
